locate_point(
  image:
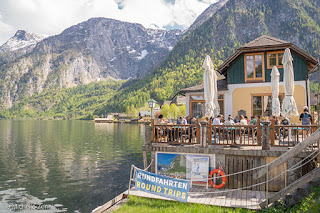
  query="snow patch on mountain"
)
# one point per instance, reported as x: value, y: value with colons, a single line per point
x: 22, y: 40
x: 142, y: 55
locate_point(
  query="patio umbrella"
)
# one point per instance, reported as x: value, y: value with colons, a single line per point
x: 289, y: 106
x: 275, y: 75
x: 210, y: 78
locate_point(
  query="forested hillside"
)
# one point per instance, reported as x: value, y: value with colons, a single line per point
x: 73, y: 103
x: 235, y: 24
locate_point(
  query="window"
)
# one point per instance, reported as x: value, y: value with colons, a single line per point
x: 262, y: 104
x: 197, y: 105
x: 254, y: 67
x: 221, y: 103
x: 274, y: 59
x: 197, y: 109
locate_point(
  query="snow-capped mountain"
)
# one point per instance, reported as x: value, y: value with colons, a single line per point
x: 22, y: 40
x: 93, y: 50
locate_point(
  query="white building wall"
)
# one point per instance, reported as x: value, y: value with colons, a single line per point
x: 228, y: 105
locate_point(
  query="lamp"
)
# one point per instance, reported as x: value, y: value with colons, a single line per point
x: 152, y: 104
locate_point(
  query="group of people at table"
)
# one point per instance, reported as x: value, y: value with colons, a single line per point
x: 219, y: 120
x: 305, y: 117
x: 241, y: 120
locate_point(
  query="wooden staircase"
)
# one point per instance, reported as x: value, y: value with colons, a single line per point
x: 296, y: 185
x: 301, y: 182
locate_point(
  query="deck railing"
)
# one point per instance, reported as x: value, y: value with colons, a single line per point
x: 244, y: 135
x: 241, y: 135
x: 290, y: 135
x: 176, y: 134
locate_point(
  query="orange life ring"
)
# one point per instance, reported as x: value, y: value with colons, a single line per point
x: 224, y: 179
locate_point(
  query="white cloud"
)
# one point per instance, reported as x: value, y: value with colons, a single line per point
x: 52, y: 16
x: 5, y: 28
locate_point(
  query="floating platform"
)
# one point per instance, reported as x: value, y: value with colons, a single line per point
x: 103, y: 120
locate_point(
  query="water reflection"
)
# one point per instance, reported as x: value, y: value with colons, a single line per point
x: 72, y: 165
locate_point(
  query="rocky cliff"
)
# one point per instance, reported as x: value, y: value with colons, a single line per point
x: 205, y: 15
x: 20, y: 44
x: 94, y: 50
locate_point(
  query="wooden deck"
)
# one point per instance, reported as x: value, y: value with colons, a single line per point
x: 248, y: 199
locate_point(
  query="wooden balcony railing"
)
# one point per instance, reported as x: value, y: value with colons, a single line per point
x: 242, y: 135
x: 290, y: 135
x: 176, y: 134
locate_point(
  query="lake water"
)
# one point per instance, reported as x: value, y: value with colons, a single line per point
x: 72, y: 166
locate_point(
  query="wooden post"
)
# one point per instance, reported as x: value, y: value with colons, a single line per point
x: 272, y: 131
x: 265, y: 135
x: 145, y: 160
x: 204, y: 134
x: 153, y: 130
x: 259, y: 132
x: 198, y: 131
x: 153, y: 162
x: 148, y: 135
x: 210, y: 131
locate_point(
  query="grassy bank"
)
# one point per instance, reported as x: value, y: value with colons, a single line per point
x: 310, y: 204
x: 139, y: 204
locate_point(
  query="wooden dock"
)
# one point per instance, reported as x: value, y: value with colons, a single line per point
x: 248, y: 199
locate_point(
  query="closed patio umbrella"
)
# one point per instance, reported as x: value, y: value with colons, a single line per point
x: 210, y: 78
x: 289, y: 106
x: 275, y: 75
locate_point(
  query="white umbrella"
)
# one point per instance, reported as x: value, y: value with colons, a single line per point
x: 210, y: 78
x: 275, y: 75
x: 289, y: 106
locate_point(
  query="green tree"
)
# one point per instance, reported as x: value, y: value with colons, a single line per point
x: 165, y: 110
x: 174, y: 111
x: 133, y: 111
x: 182, y: 110
x: 128, y: 110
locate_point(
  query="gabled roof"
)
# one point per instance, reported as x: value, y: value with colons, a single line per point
x: 221, y: 85
x: 267, y: 43
x: 166, y: 102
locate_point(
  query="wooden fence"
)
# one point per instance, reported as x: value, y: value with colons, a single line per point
x: 176, y: 134
x: 242, y: 135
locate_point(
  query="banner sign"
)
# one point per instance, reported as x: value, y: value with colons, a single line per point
x: 176, y: 189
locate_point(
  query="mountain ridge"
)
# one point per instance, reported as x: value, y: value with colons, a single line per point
x: 93, y: 50
x: 225, y: 31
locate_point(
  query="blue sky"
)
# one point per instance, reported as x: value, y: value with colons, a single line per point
x: 165, y: 158
x: 51, y: 17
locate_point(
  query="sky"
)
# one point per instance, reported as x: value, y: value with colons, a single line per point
x: 51, y: 17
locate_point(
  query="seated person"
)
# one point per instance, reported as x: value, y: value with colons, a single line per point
x: 182, y: 121
x: 236, y: 119
x: 160, y: 120
x: 253, y: 120
x: 229, y: 121
x: 193, y: 121
x: 284, y: 121
x: 283, y: 130
x: 243, y: 121
x: 216, y: 121
x: 159, y: 131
